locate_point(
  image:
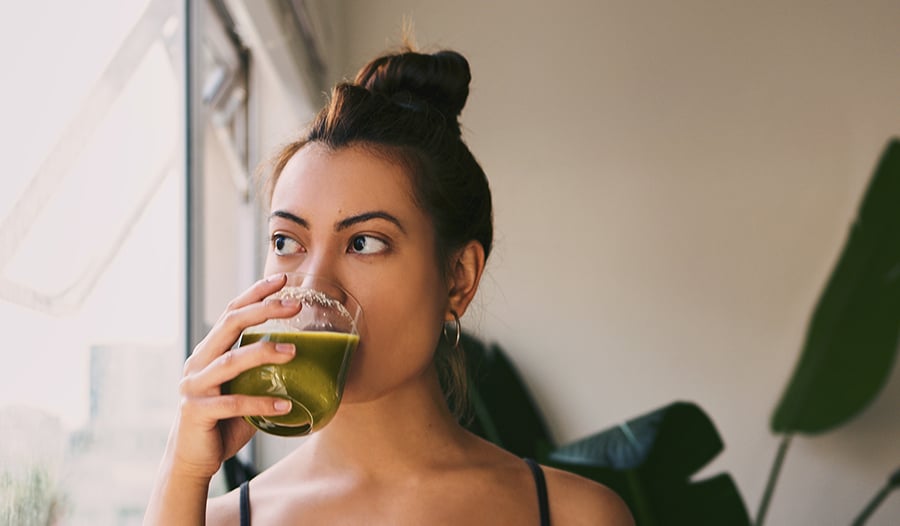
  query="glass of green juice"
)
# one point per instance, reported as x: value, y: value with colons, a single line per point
x: 325, y: 334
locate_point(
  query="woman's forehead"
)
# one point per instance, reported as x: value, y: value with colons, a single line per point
x: 346, y: 177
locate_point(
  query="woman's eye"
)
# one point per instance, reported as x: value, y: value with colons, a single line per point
x: 367, y: 245
x: 285, y: 246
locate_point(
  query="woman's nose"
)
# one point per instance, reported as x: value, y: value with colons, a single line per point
x: 321, y: 273
x: 317, y: 262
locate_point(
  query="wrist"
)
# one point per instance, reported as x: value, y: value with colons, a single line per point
x: 179, y: 497
x: 187, y: 474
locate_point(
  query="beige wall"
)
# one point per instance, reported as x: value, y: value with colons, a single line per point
x: 672, y: 183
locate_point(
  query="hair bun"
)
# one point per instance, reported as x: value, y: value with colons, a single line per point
x: 440, y: 79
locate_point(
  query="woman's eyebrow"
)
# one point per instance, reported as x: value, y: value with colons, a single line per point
x: 367, y: 216
x: 290, y: 217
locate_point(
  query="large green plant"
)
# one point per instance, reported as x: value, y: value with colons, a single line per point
x: 648, y: 460
x: 853, y: 335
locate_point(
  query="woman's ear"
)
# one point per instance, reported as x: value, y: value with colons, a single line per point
x: 466, y: 268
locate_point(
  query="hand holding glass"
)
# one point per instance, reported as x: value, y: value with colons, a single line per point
x: 325, y: 334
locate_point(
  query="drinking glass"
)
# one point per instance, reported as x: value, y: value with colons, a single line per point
x: 325, y: 334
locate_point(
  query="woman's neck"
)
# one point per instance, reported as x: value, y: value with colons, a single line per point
x: 394, y: 435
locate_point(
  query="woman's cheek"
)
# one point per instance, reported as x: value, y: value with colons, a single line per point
x: 397, y: 347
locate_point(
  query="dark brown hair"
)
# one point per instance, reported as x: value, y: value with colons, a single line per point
x: 406, y: 107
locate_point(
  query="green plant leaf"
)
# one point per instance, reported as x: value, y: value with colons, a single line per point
x: 503, y: 409
x: 650, y: 460
x: 852, y: 338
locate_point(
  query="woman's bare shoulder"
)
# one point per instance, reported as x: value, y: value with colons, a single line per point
x: 223, y: 510
x: 575, y: 500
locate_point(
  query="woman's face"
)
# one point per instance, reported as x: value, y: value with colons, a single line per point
x: 349, y: 215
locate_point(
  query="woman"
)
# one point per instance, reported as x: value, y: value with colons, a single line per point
x: 383, y: 196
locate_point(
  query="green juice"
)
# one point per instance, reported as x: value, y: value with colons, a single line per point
x: 313, y: 380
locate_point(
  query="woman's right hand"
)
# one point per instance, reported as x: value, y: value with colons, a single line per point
x: 209, y: 427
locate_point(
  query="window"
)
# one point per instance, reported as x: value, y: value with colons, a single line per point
x: 92, y: 281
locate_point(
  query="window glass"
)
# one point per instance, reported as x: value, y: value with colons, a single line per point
x: 91, y: 255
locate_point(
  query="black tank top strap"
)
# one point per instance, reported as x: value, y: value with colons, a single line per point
x: 536, y: 472
x: 541, y: 486
x: 245, y: 503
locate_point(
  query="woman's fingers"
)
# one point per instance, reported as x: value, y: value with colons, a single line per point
x: 257, y: 291
x: 232, y: 363
x: 212, y: 409
x: 229, y: 327
x: 244, y: 311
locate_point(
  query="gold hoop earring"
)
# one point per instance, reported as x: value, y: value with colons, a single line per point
x: 455, y: 341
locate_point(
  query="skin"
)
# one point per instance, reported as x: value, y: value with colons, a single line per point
x: 393, y: 453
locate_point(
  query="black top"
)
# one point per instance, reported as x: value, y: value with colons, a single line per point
x: 535, y: 468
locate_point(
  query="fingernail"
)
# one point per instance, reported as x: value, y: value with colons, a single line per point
x: 282, y: 405
x: 290, y: 302
x: 275, y: 277
x: 287, y: 348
